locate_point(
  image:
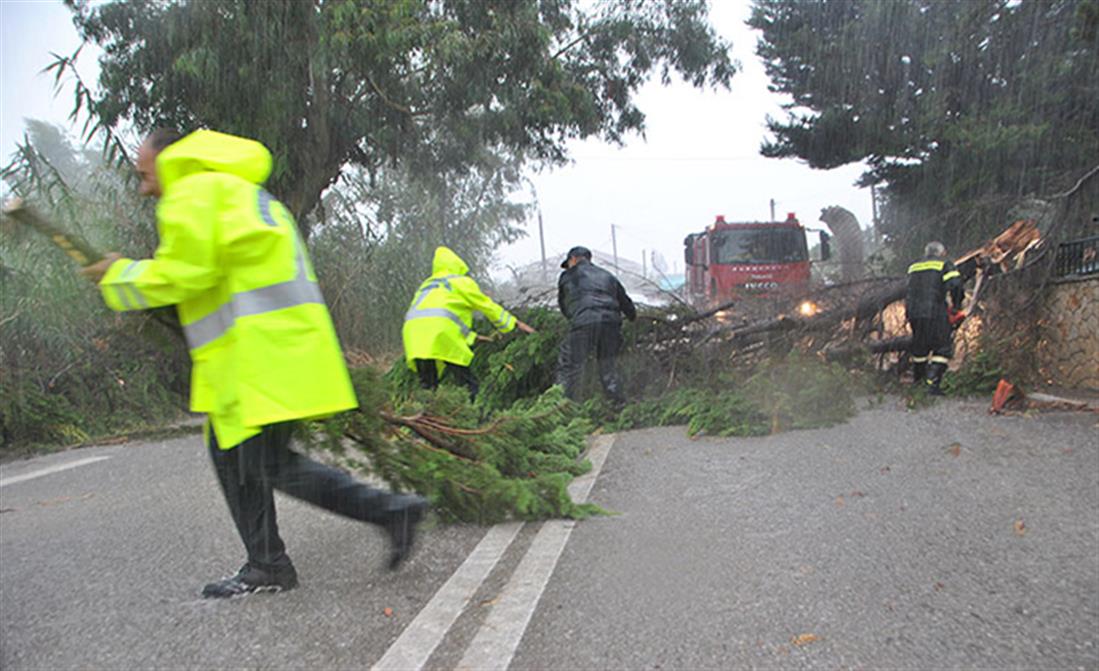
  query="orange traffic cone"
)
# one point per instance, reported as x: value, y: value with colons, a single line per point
x: 1005, y: 393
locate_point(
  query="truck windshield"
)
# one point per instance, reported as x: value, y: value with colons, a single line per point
x: 760, y: 245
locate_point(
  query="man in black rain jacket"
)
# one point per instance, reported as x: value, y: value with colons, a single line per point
x: 594, y: 301
x: 930, y: 281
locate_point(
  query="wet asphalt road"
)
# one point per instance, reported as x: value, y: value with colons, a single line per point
x: 868, y: 545
x: 937, y: 539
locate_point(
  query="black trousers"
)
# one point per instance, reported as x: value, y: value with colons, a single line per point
x: 602, y: 338
x: 429, y: 375
x: 250, y: 472
x: 932, y: 339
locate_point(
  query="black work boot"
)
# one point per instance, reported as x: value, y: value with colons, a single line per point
x: 618, y: 400
x: 613, y: 389
x: 919, y: 371
x: 400, y: 523
x: 935, y: 378
x: 250, y: 580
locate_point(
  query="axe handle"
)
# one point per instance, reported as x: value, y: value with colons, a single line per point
x: 75, y: 246
x: 79, y: 250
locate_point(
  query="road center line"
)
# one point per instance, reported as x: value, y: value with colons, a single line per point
x: 419, y: 639
x: 50, y: 470
x: 495, y: 644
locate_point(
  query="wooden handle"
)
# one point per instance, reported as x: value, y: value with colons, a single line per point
x: 75, y: 246
x: 80, y: 251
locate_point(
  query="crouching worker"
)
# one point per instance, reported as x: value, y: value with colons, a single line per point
x: 438, y: 327
x: 930, y: 281
x: 262, y: 344
x: 594, y: 301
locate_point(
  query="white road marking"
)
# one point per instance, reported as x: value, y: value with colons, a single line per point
x: 418, y: 641
x: 495, y: 643
x: 49, y: 471
x: 420, y: 638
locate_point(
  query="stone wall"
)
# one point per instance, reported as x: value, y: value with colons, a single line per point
x: 1068, y: 343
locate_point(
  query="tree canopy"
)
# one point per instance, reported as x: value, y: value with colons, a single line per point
x: 954, y: 106
x: 434, y: 84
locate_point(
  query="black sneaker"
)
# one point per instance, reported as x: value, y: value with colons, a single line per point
x: 401, y: 526
x: 250, y: 580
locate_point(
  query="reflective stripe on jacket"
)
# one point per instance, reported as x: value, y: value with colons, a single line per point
x: 929, y: 282
x: 231, y: 260
x: 439, y: 321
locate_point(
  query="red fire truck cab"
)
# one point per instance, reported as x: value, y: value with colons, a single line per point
x: 728, y: 261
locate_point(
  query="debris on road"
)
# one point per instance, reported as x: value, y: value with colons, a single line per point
x: 1010, y: 399
x: 804, y: 639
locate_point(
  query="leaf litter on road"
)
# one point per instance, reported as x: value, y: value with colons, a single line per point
x: 65, y: 499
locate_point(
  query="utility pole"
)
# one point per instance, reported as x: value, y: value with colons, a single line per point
x: 541, y: 234
x: 614, y: 246
x: 874, y: 203
x: 541, y: 241
x: 874, y: 211
x: 772, y: 209
x: 644, y: 269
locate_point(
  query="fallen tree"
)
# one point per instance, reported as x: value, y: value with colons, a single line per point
x: 515, y: 465
x: 512, y: 453
x: 855, y: 306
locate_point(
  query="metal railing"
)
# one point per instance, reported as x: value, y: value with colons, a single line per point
x: 1077, y: 258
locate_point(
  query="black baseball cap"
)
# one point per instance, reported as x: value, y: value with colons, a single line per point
x: 576, y: 251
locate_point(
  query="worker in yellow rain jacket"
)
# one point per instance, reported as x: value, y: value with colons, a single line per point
x: 260, y: 337
x: 438, y: 327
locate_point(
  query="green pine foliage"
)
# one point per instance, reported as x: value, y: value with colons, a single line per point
x: 704, y: 412
x: 802, y: 392
x: 979, y: 374
x: 797, y: 393
x: 794, y: 392
x: 517, y: 366
x: 515, y: 465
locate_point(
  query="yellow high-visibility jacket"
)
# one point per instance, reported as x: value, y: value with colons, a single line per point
x: 439, y: 322
x: 231, y: 260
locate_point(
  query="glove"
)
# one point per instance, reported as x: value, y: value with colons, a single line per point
x: 955, y: 317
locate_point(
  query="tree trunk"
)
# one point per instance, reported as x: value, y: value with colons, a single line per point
x: 317, y: 167
x: 845, y: 228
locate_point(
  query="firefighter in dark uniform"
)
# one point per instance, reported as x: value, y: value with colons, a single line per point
x: 594, y: 301
x: 930, y: 281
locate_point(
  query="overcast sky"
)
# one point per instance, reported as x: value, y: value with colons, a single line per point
x: 699, y: 157
x: 29, y: 31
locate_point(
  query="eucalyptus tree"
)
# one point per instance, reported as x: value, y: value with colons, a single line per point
x: 435, y: 85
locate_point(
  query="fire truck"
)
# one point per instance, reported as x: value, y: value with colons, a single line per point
x: 730, y: 261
